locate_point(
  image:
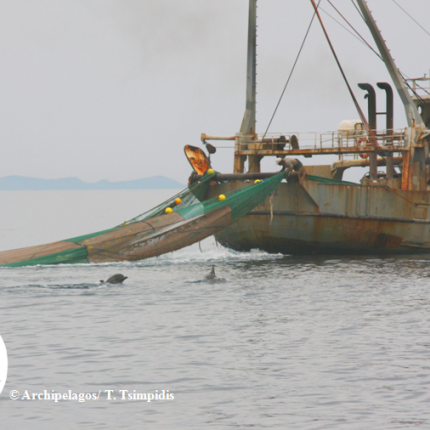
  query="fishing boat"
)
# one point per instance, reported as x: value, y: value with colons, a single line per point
x: 315, y: 211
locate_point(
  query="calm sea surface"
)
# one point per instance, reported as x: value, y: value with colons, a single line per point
x: 282, y: 343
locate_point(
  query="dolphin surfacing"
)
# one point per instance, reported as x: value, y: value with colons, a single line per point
x: 211, y: 275
x: 211, y: 278
x: 118, y: 278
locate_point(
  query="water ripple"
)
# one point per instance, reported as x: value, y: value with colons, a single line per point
x: 282, y: 342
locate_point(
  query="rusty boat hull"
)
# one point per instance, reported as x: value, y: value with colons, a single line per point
x: 315, y: 218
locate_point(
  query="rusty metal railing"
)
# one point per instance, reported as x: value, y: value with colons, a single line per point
x: 332, y: 142
x: 422, y: 88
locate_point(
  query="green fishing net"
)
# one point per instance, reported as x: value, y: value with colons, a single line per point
x: 240, y: 201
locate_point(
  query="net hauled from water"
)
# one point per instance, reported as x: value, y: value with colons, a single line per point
x: 154, y: 232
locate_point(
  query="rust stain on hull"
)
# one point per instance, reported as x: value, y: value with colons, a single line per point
x: 316, y: 218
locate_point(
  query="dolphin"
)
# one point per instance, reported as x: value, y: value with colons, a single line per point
x: 118, y: 278
x: 211, y: 275
x: 212, y: 278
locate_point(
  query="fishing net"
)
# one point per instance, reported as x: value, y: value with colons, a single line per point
x: 190, y: 196
x: 154, y: 232
x: 240, y: 201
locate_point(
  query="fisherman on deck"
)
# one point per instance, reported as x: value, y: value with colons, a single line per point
x: 292, y: 164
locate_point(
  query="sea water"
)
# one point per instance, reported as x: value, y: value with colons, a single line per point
x: 279, y: 343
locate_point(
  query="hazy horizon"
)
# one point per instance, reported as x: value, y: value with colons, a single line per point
x: 26, y: 183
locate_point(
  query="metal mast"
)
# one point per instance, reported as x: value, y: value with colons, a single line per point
x: 412, y: 115
x: 413, y: 166
x: 247, y: 130
x: 248, y: 123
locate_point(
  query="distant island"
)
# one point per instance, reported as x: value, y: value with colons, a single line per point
x: 22, y: 183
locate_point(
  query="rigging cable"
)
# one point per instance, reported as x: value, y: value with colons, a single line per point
x: 372, y: 137
x: 285, y: 87
x: 361, y: 38
x: 418, y: 85
x: 358, y: 10
x: 416, y: 22
x: 373, y: 50
x: 356, y: 32
x: 350, y: 32
x: 291, y: 72
x: 404, y: 77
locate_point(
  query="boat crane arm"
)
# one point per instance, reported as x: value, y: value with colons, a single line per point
x: 412, y: 115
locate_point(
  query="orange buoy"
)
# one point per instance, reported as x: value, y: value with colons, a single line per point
x: 363, y: 142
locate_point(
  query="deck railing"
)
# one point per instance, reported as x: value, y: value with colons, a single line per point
x: 334, y: 142
x: 420, y: 87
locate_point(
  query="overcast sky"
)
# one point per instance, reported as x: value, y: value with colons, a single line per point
x: 114, y: 89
